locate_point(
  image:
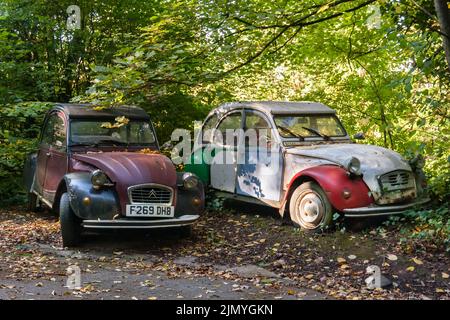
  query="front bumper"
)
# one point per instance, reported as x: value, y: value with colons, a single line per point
x: 127, y: 223
x: 373, y: 211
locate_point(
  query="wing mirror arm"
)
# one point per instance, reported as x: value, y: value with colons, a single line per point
x: 359, y: 136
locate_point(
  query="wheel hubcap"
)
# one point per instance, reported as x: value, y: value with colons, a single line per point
x: 311, y: 210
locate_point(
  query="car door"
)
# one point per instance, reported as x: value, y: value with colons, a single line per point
x: 224, y: 158
x: 199, y: 161
x: 260, y: 175
x: 43, y: 153
x: 56, y: 163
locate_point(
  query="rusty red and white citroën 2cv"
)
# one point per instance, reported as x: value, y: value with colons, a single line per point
x: 314, y: 168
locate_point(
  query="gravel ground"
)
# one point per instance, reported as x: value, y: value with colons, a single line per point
x: 241, y: 252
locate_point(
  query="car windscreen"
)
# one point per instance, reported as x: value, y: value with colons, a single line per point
x: 313, y: 125
x: 86, y: 132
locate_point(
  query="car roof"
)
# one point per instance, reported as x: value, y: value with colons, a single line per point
x: 87, y: 111
x: 278, y: 107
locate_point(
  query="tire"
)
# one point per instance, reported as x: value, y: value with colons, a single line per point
x: 33, y: 202
x: 70, y: 224
x: 185, y: 232
x: 310, y: 209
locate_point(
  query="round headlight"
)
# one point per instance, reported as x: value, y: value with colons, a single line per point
x: 190, y: 181
x: 99, y: 179
x: 354, y: 166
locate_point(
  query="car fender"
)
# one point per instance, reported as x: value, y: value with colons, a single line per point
x: 334, y: 180
x: 88, y: 203
x: 184, y: 200
x: 29, y: 171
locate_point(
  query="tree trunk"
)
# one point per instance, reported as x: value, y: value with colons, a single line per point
x: 443, y: 15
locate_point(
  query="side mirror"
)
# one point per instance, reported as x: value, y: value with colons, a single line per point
x: 359, y: 136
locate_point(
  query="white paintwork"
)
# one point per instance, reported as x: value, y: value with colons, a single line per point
x: 223, y: 175
x: 375, y: 161
x: 278, y: 107
x: 261, y: 180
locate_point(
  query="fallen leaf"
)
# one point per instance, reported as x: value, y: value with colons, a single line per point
x: 417, y: 261
x: 439, y: 290
x: 445, y: 275
x: 392, y: 257
x: 152, y: 298
x: 341, y: 260
x: 410, y: 269
x: 352, y: 257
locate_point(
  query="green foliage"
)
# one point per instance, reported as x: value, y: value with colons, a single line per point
x: 181, y: 109
x: 20, y: 124
x: 156, y: 70
x: 40, y: 59
x: 425, y: 228
x: 178, y: 59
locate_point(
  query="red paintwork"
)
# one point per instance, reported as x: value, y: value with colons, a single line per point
x: 41, y: 164
x: 125, y: 166
x: 334, y: 180
x: 51, y: 167
x: 131, y: 168
x: 55, y: 170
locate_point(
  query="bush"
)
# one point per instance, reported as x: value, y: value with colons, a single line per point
x: 20, y: 126
x: 425, y: 229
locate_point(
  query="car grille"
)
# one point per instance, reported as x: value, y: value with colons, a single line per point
x: 397, y: 180
x: 150, y: 194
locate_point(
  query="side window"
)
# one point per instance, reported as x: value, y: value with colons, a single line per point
x: 230, y: 122
x: 258, y: 130
x: 47, y: 133
x: 59, y: 141
x: 141, y: 132
x: 207, y: 130
x: 54, y: 134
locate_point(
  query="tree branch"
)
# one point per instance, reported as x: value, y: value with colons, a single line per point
x: 299, y: 23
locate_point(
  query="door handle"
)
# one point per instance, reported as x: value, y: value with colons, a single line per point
x: 48, y: 154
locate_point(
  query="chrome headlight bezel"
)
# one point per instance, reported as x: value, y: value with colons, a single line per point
x: 99, y: 179
x: 190, y: 181
x: 353, y: 166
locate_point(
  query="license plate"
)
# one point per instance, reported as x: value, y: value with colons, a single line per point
x: 149, y: 210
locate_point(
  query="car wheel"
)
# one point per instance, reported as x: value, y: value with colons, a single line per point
x: 70, y: 223
x: 309, y: 208
x: 185, y: 231
x: 33, y: 202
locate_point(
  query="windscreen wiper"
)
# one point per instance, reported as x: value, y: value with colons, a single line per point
x: 99, y: 142
x: 291, y: 133
x: 82, y: 144
x: 317, y: 133
x: 107, y: 141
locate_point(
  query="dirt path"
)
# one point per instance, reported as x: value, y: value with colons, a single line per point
x: 245, y: 255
